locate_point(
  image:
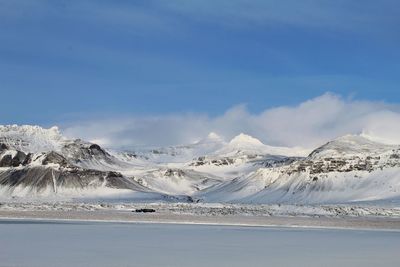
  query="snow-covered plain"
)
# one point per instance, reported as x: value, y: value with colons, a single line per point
x: 206, y: 209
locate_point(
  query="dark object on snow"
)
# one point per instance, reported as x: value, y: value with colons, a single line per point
x: 145, y: 210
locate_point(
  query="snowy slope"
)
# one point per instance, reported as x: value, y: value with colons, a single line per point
x: 351, y: 145
x: 351, y: 168
x: 177, y: 181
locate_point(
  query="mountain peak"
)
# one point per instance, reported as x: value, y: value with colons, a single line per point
x: 244, y: 139
x: 28, y: 129
x: 349, y: 145
x: 31, y: 138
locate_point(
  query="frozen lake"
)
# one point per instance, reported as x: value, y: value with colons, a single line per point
x: 34, y: 243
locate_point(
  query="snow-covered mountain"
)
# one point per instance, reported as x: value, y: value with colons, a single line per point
x: 176, y: 154
x: 210, y: 156
x: 41, y: 162
x: 350, y: 168
x: 36, y: 162
x: 246, y: 144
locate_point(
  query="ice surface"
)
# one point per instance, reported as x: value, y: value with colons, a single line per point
x: 38, y: 243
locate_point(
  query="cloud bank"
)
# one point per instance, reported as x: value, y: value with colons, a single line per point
x: 308, y: 124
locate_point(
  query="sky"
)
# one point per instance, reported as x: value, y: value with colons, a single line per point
x: 129, y: 73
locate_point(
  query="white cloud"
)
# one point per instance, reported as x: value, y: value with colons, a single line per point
x: 308, y: 124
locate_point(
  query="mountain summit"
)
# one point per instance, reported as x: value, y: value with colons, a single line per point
x: 244, y: 140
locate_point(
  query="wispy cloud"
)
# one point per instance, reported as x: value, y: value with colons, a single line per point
x: 159, y: 14
x: 308, y: 124
x: 337, y: 15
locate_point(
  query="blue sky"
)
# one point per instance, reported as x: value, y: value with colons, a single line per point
x: 64, y: 61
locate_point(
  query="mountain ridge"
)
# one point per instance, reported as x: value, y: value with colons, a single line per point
x: 35, y: 160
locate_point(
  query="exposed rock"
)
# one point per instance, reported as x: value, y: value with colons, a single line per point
x: 55, y: 158
x: 6, y: 161
x: 174, y: 172
x: 3, y: 147
x: 13, y: 161
x: 39, y: 178
x: 78, y: 151
x: 28, y: 159
x: 225, y: 161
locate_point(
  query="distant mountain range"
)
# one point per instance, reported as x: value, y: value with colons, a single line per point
x: 41, y: 163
